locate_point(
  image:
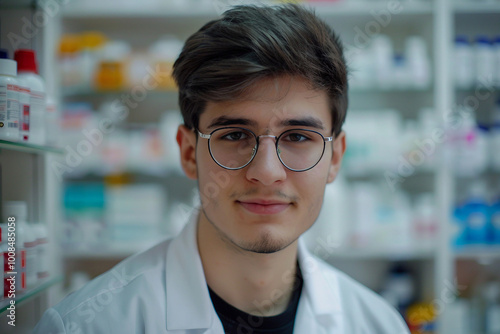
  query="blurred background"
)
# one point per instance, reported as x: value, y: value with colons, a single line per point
x: 89, y: 163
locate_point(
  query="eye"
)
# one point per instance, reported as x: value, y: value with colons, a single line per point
x: 296, y: 137
x: 235, y: 135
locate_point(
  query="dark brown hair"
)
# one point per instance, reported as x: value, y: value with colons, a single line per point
x: 222, y: 60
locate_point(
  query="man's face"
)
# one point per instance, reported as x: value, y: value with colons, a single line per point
x: 263, y: 207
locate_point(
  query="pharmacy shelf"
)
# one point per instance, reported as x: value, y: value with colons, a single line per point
x: 82, y: 10
x: 17, y: 4
x: 404, y: 254
x: 31, y: 293
x: 367, y: 8
x: 109, y: 250
x: 173, y: 94
x: 476, y: 7
x: 104, y: 170
x: 29, y: 148
x: 391, y: 90
x: 480, y: 253
x: 89, y: 93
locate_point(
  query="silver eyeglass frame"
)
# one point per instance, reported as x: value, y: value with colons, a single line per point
x: 255, y: 149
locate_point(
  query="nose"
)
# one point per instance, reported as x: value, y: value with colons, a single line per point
x: 266, y: 167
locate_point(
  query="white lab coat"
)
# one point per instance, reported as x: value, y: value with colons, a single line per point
x: 163, y: 290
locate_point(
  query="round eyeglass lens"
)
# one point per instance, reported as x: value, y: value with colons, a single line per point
x: 300, y: 149
x: 232, y: 147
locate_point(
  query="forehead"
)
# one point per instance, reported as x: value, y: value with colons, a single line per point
x: 271, y: 101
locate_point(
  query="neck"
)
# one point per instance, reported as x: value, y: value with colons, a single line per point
x: 259, y: 284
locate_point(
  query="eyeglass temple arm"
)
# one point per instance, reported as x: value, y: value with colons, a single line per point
x: 202, y: 135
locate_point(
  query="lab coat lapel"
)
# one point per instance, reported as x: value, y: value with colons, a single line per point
x: 188, y: 303
x: 319, y: 309
x: 190, y: 309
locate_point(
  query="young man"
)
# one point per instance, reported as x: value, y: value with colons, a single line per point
x: 263, y: 92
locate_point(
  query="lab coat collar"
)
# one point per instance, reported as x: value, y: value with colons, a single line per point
x: 320, y: 290
x: 188, y: 303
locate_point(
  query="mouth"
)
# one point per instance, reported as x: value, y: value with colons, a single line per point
x: 264, y: 207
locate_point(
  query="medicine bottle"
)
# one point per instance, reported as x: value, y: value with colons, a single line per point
x: 496, y: 47
x: 41, y: 233
x: 3, y: 255
x: 17, y: 210
x: 485, y: 62
x: 463, y: 66
x: 28, y: 73
x: 9, y: 99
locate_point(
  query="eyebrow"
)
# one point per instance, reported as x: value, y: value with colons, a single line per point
x: 224, y: 121
x: 307, y: 121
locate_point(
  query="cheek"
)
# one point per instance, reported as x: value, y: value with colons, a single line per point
x: 206, y: 167
x: 214, y: 182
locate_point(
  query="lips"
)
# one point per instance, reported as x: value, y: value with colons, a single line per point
x: 264, y: 207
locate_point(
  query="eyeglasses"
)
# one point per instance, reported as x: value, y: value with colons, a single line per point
x: 235, y: 147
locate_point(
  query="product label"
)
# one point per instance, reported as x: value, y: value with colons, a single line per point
x: 37, y: 100
x: 24, y: 106
x: 23, y: 259
x: 6, y: 285
x: 6, y: 262
x: 31, y: 268
x: 42, y: 259
x: 26, y: 118
x: 9, y: 111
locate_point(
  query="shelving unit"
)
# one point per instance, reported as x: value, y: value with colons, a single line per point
x: 434, y: 20
x: 27, y: 175
x: 30, y: 294
x: 486, y: 17
x: 409, y: 18
x: 28, y: 170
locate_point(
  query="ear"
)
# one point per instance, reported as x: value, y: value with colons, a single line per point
x: 186, y: 139
x: 338, y: 153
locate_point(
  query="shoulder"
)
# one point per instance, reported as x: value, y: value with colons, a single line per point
x: 365, y: 311
x: 137, y: 284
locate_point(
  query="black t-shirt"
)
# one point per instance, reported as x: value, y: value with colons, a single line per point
x: 236, y: 321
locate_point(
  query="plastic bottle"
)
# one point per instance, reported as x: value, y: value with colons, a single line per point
x: 463, y: 67
x: 496, y: 47
x: 18, y: 210
x: 164, y: 53
x: 476, y: 212
x: 399, y: 287
x: 470, y: 147
x: 69, y: 60
x: 3, y: 249
x: 425, y: 220
x: 9, y: 99
x: 485, y: 62
x: 52, y: 123
x: 110, y: 73
x: 401, y: 73
x: 427, y: 124
x: 28, y: 71
x: 459, y: 228
x: 418, y: 62
x: 383, y: 55
x: 495, y: 138
x: 42, y: 242
x: 91, y: 43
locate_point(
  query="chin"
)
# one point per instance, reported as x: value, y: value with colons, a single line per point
x: 266, y: 244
